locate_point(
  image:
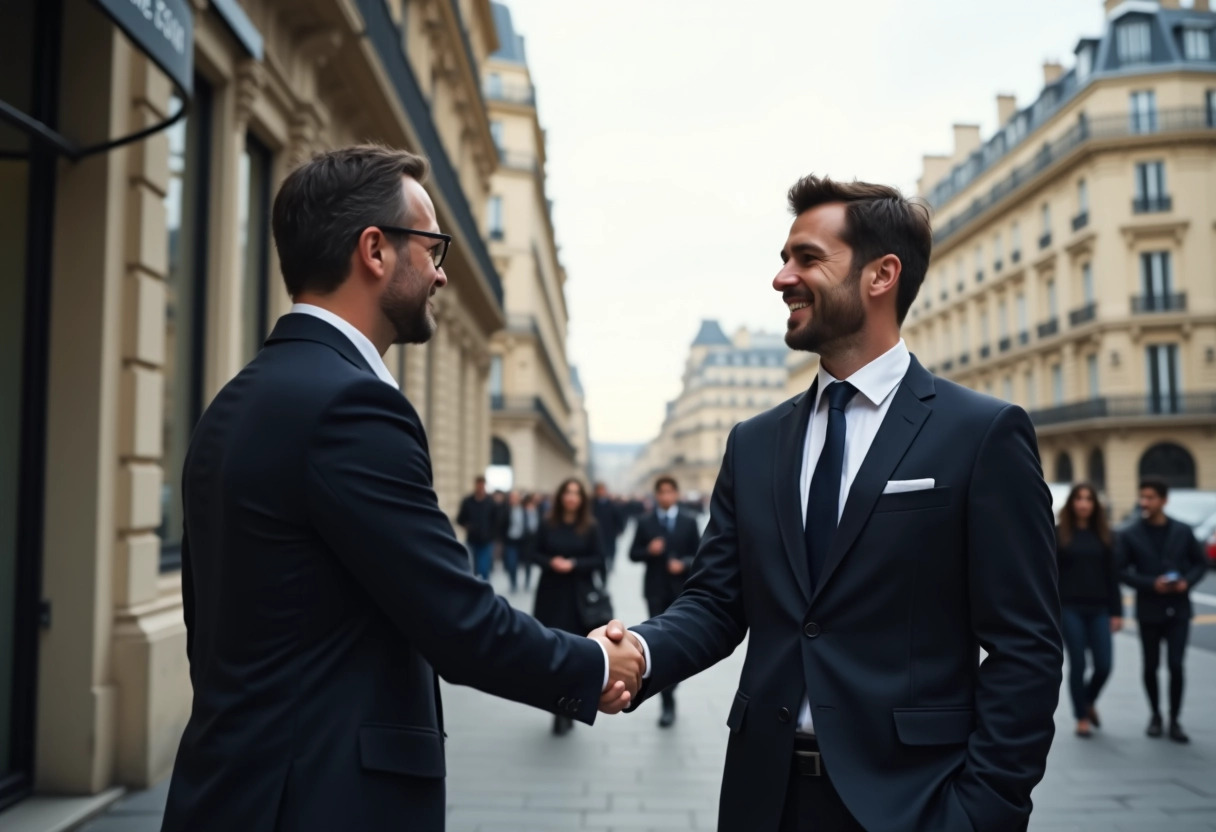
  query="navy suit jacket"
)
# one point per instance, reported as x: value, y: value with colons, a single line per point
x: 659, y: 586
x: 324, y: 589
x: 915, y: 733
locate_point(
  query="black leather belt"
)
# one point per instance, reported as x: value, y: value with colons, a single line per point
x: 808, y: 762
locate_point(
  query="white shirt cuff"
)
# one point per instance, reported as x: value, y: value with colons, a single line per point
x: 645, y: 652
x: 603, y: 650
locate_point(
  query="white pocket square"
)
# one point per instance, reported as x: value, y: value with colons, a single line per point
x: 902, y: 486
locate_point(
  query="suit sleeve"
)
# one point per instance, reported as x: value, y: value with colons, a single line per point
x: 688, y: 548
x: 1128, y: 572
x: 1197, y: 564
x: 371, y: 500
x: 1015, y: 615
x: 641, y: 539
x: 707, y: 622
x: 462, y: 517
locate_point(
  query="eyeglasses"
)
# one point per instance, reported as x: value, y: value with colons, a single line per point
x: 438, y: 251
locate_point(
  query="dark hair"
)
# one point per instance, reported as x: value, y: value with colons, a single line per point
x: 878, y: 221
x: 1163, y: 490
x: 325, y: 204
x: 1068, y: 516
x: 478, y: 479
x: 557, y: 514
x: 666, y: 480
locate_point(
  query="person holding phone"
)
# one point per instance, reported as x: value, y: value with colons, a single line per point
x: 1161, y: 559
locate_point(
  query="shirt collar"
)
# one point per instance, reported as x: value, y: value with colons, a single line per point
x: 362, y: 343
x: 875, y: 380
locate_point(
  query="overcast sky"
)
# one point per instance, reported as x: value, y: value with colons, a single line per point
x: 675, y: 128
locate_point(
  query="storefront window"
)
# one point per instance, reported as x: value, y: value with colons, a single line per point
x: 185, y: 305
x: 254, y: 239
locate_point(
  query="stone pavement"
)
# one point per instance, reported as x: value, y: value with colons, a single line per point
x: 508, y: 773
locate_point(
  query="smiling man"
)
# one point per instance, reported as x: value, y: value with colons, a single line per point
x: 873, y: 534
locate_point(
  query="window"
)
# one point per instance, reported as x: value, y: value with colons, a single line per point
x: 964, y: 336
x: 494, y: 85
x: 496, y: 134
x: 1197, y: 44
x: 1155, y: 275
x: 1045, y: 214
x: 495, y: 375
x: 1082, y: 197
x: 1052, y: 308
x: 1057, y: 385
x: 1150, y: 187
x: 1210, y: 101
x: 1020, y: 307
x: 979, y: 263
x: 494, y: 217
x: 1091, y: 370
x: 1002, y: 320
x: 186, y: 203
x: 1007, y: 389
x: 1032, y: 400
x: 253, y: 238
x: 998, y: 252
x: 1085, y: 63
x: 1133, y: 41
x: 984, y: 333
x: 1087, y: 283
x: 1015, y: 243
x: 1162, y: 378
x: 1144, y: 111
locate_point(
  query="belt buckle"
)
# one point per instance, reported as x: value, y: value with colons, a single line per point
x: 810, y: 763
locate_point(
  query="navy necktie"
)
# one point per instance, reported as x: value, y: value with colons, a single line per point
x: 823, y: 499
x: 669, y: 522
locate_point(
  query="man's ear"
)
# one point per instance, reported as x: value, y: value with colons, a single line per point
x: 369, y: 251
x: 887, y: 270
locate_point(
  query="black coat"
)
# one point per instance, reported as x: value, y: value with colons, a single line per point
x: 609, y: 520
x: 557, y: 593
x: 324, y: 589
x: 916, y: 733
x: 1140, y: 564
x: 659, y: 586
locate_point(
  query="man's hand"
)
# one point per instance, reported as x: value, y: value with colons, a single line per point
x: 626, y: 664
x: 1116, y: 624
x: 1181, y: 585
x: 561, y: 565
x: 657, y: 547
x: 1162, y: 585
x: 675, y: 566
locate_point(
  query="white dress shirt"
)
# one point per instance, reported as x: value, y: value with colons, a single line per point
x: 667, y: 516
x: 376, y: 361
x: 876, y: 384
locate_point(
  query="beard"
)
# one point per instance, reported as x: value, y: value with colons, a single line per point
x: 838, y: 314
x: 404, y: 303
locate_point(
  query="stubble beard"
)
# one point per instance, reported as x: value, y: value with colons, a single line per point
x: 835, y: 319
x: 405, y: 304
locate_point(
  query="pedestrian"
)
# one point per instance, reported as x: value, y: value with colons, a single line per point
x: 567, y: 550
x: 532, y: 520
x: 609, y: 521
x: 478, y: 516
x: 1090, y: 600
x: 323, y: 590
x: 666, y: 541
x: 1161, y: 559
x: 868, y: 537
x: 514, y: 532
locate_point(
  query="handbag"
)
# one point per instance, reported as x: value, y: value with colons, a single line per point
x: 594, y: 602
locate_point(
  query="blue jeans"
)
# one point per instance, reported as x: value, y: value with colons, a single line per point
x: 483, y: 558
x: 1086, y: 631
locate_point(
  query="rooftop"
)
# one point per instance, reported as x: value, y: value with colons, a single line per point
x: 711, y: 335
x: 511, y: 44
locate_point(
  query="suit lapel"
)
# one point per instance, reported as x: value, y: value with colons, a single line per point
x: 787, y: 487
x: 899, y: 428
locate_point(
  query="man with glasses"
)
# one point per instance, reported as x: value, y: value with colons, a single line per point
x: 324, y: 589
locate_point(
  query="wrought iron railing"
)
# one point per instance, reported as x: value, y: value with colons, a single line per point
x: 1128, y: 407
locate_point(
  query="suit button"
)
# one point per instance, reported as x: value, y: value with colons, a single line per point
x: 783, y: 715
x: 811, y: 630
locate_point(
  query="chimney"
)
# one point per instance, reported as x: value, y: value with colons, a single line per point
x: 933, y: 170
x: 1052, y: 70
x: 966, y: 141
x: 1006, y: 106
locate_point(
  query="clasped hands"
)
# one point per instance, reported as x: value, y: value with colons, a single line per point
x: 626, y: 665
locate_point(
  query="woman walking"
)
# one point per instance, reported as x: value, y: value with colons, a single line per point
x: 1091, y: 605
x: 567, y: 549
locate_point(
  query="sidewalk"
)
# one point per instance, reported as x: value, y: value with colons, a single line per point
x: 507, y: 773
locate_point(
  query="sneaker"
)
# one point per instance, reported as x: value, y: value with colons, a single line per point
x: 1154, y: 727
x: 1177, y: 734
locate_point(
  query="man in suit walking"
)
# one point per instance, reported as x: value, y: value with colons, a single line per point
x: 666, y: 541
x: 1161, y: 559
x: 609, y: 521
x: 324, y: 589
x: 873, y: 534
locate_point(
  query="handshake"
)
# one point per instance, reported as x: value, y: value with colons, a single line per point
x: 626, y: 665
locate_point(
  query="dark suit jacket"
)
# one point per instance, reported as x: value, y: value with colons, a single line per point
x: 660, y: 587
x: 324, y: 589
x: 1140, y: 564
x: 609, y: 521
x: 915, y: 733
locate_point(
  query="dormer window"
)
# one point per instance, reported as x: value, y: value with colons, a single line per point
x: 1134, y: 42
x: 1085, y: 63
x: 1197, y: 44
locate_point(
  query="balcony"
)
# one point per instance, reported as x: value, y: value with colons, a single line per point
x: 1084, y: 131
x: 1049, y: 327
x: 511, y: 93
x: 964, y: 359
x: 496, y: 234
x: 985, y: 351
x: 1045, y: 240
x: 1024, y: 337
x: 1016, y: 257
x: 1127, y: 407
x: 532, y: 405
x: 1083, y: 315
x: 1080, y: 221
x: 1152, y: 204
x: 1004, y: 344
x: 1149, y: 304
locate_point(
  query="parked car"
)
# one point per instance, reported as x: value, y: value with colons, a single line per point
x: 1206, y: 533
